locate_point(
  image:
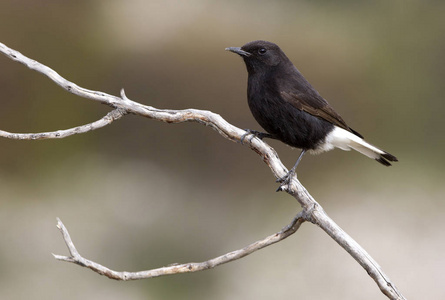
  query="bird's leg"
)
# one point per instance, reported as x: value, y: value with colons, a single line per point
x: 254, y: 133
x: 285, y: 180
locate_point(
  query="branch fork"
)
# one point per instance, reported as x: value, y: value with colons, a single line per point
x: 312, y: 211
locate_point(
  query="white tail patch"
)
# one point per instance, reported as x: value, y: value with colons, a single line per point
x: 345, y: 140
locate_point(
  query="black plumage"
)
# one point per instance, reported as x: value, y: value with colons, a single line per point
x: 286, y: 105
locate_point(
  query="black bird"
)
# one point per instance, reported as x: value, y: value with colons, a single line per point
x: 285, y: 104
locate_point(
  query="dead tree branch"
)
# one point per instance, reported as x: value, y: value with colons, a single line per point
x: 60, y: 134
x: 312, y: 211
x: 172, y: 269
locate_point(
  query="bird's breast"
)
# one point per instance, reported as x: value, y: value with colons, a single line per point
x: 281, y: 119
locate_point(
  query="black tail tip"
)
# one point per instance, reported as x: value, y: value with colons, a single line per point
x: 385, y: 159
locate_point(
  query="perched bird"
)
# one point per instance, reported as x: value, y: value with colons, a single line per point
x: 285, y: 104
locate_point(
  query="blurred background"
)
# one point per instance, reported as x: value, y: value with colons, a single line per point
x: 141, y: 194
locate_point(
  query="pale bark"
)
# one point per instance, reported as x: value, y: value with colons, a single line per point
x: 312, y: 211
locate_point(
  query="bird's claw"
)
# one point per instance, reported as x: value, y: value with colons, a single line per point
x: 285, y: 180
x: 254, y: 133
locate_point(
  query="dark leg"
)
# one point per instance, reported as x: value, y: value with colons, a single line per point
x: 287, y: 178
x: 254, y: 133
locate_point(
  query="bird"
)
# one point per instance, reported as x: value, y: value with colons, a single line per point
x: 290, y: 110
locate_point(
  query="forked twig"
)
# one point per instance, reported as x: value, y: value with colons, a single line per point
x: 312, y: 211
x: 172, y: 269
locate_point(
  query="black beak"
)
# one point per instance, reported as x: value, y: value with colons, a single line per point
x: 238, y: 50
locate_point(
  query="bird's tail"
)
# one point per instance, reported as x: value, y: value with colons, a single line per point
x: 371, y: 151
x: 346, y: 140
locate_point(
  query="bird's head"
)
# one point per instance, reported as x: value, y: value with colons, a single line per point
x: 260, y: 55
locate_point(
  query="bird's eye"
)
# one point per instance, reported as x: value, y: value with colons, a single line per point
x: 262, y: 51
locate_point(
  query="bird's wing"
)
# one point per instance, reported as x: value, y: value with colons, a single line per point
x: 314, y: 104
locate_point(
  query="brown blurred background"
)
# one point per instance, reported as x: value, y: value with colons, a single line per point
x: 142, y: 194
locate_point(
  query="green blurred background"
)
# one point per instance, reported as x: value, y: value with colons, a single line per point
x: 142, y: 194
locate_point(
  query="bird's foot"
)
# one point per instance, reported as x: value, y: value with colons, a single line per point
x: 254, y: 133
x: 285, y: 180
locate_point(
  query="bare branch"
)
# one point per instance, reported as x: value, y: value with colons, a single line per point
x: 54, y: 76
x: 312, y: 211
x: 175, y: 268
x: 60, y: 134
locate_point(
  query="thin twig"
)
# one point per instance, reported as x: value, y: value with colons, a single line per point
x: 312, y: 211
x: 175, y: 268
x: 60, y: 134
